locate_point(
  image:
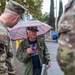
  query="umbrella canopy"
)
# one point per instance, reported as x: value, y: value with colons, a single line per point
x: 19, y: 31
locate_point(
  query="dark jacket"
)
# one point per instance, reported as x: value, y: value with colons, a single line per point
x: 25, y: 58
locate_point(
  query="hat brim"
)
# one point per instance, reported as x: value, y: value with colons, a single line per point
x: 33, y: 30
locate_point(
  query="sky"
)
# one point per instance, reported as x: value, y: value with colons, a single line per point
x: 46, y: 5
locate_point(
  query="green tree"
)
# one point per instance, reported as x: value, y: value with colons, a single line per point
x: 51, y: 20
x: 33, y: 7
x: 44, y: 18
x: 2, y: 6
x: 60, y: 9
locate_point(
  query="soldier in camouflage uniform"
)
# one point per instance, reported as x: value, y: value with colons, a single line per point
x: 66, y: 49
x: 11, y: 15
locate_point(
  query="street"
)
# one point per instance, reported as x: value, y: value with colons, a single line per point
x: 53, y: 70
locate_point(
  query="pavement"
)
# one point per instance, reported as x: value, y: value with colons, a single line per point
x: 50, y: 40
x: 54, y: 70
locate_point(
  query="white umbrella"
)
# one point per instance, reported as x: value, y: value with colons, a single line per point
x: 19, y: 31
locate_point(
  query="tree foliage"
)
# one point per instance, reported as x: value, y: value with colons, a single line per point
x: 51, y: 20
x: 33, y: 7
x: 44, y: 18
x: 60, y: 9
x: 2, y: 6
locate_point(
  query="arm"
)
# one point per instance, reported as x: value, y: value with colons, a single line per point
x: 46, y: 53
x: 3, y: 49
x: 65, y: 22
x: 22, y: 54
x: 47, y: 56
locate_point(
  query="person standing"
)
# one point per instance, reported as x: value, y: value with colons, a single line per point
x: 66, y: 31
x: 32, y: 52
x: 9, y: 18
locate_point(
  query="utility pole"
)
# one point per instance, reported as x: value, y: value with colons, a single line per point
x: 56, y: 18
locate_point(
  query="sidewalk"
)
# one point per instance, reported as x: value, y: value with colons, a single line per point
x: 50, y: 40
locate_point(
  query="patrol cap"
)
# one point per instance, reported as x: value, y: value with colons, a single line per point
x: 15, y: 7
x: 34, y: 28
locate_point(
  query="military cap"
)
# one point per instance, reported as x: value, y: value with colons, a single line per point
x: 15, y: 7
x: 33, y: 28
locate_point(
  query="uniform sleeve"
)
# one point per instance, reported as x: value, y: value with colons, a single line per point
x: 3, y: 55
x: 22, y: 54
x: 46, y: 54
x: 3, y: 44
x: 65, y: 22
x: 64, y: 25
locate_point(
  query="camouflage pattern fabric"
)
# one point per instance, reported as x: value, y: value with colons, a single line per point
x: 6, y: 55
x: 15, y: 7
x: 66, y: 49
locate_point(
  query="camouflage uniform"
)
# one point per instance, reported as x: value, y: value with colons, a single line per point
x: 5, y: 50
x: 66, y: 49
x: 6, y: 54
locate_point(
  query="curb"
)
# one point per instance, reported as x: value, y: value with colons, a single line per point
x: 50, y: 40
